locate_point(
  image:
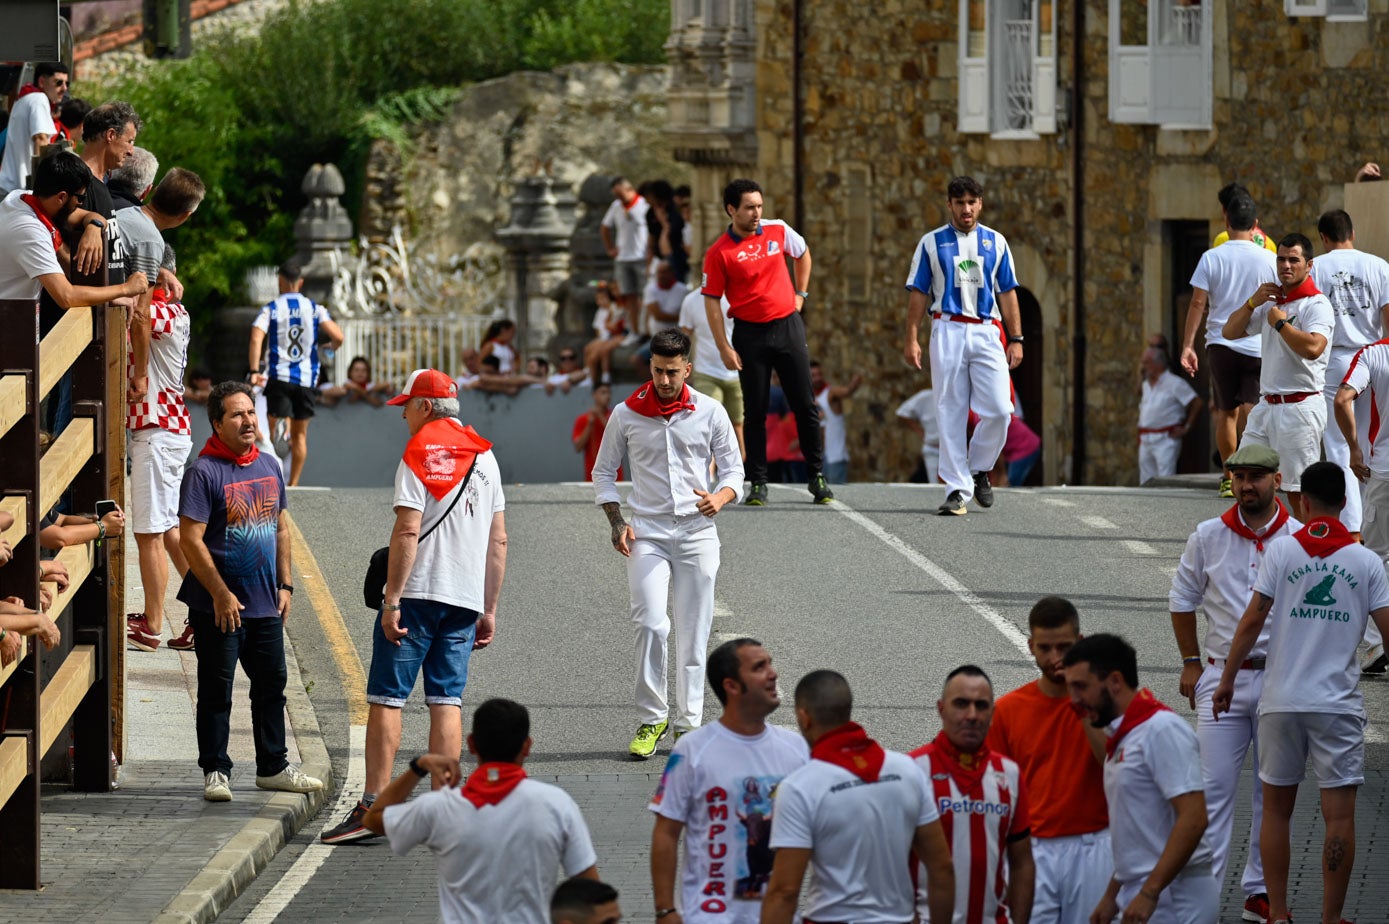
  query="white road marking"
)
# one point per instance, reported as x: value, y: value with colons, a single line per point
x: 942, y: 577
x: 1373, y: 735
x: 308, y: 863
x: 1098, y: 523
x: 1139, y: 547
x: 721, y: 610
x: 1057, y: 502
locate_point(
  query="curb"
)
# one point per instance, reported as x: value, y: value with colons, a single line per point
x: 251, y: 849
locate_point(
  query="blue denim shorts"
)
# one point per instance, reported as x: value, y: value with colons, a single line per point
x: 440, y: 639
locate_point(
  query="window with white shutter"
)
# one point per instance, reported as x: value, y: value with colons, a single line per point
x: 1160, y: 70
x: 1007, y: 67
x: 1347, y: 10
x: 1304, y: 7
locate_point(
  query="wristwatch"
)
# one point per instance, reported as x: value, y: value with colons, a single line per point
x: 288, y: 587
x: 1278, y: 325
x: 415, y: 765
x: 802, y: 295
x: 390, y: 607
x: 1015, y: 338
x: 97, y: 223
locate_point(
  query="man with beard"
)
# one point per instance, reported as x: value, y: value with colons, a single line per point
x: 1152, y: 780
x: 1061, y: 757
x: 716, y: 772
x: 669, y: 433
x: 32, y: 254
x: 983, y: 806
x: 1222, y: 558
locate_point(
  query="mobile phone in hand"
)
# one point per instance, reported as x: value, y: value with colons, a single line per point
x: 104, y: 507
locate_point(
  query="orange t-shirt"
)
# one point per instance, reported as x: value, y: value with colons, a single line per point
x: 1063, y: 780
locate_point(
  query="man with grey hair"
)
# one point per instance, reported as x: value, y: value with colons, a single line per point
x: 132, y: 181
x: 442, y: 583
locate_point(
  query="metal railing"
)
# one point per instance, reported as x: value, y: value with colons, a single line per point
x: 80, y: 680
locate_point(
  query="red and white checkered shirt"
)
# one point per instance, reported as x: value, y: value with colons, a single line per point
x: 163, y: 406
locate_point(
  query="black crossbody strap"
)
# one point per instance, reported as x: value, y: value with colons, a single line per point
x: 461, y: 488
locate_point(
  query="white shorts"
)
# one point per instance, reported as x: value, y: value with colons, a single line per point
x: 1334, y: 741
x: 1293, y: 431
x: 157, y: 460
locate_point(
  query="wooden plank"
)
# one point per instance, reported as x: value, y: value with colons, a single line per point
x: 63, y: 693
x: 16, y: 508
x: 79, y: 561
x: 13, y: 666
x: 113, y: 331
x: 13, y: 403
x: 14, y: 766
x: 60, y: 349
x: 64, y: 460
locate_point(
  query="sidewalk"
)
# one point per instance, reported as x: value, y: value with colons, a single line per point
x: 154, y: 850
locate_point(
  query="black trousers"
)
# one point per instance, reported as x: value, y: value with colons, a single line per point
x: 764, y: 348
x: 259, y: 646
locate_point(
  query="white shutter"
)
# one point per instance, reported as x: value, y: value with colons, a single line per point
x: 1181, y: 88
x: 1347, y: 10
x: 1304, y: 7
x: 1130, y: 84
x: 1044, y: 96
x: 974, y: 95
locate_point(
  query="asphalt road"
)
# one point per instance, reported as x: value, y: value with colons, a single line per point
x: 876, y: 587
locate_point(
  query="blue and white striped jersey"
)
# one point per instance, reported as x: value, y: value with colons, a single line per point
x: 963, y: 273
x: 291, y: 324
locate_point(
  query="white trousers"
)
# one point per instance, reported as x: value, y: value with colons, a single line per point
x: 1192, y: 898
x: 1294, y: 431
x: 1375, y: 532
x: 1157, y: 455
x: 1223, y: 747
x: 1072, y: 875
x: 1337, y: 450
x: 969, y: 372
x: 680, y: 554
x: 930, y: 457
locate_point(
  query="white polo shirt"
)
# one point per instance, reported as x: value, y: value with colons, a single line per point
x: 859, y: 834
x: 498, y: 862
x: 629, y: 228
x: 1357, y: 285
x: 1283, y: 372
x: 1370, y: 369
x: 1230, y: 274
x: 669, y: 458
x: 1164, y: 402
x: 719, y: 785
x: 1320, y: 607
x: 1156, y: 762
x: 707, y: 360
x: 27, y: 252
x: 1217, y: 574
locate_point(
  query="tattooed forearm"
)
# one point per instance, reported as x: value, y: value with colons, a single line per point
x: 614, y: 512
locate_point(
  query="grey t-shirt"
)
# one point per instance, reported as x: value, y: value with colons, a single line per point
x: 144, y: 245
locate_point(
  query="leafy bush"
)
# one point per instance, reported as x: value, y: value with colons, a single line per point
x: 318, y: 81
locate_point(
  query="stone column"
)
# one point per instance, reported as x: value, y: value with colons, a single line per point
x: 537, y: 245
x: 323, y: 231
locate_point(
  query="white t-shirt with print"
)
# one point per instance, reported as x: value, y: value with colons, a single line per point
x: 1156, y: 762
x: 451, y: 562
x: 1282, y: 371
x: 1320, y: 607
x: 719, y: 785
x: 27, y: 252
x: 1357, y: 285
x: 707, y: 360
x: 859, y: 835
x: 497, y: 862
x: 32, y: 114
x: 1230, y: 274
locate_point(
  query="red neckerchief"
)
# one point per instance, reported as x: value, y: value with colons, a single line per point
x: 1143, y: 707
x: 29, y: 88
x: 646, y: 402
x: 32, y: 201
x: 1305, y: 289
x: 1322, y: 536
x: 967, y: 769
x: 219, y: 450
x: 441, y: 454
x: 849, y: 746
x: 635, y: 200
x: 1235, y: 522
x: 491, y: 783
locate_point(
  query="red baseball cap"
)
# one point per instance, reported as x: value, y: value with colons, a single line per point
x: 426, y: 383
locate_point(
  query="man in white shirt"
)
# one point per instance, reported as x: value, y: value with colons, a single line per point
x: 1223, y: 280
x: 918, y: 413
x: 625, y: 237
x: 710, y: 376
x: 1217, y: 570
x: 669, y: 433
x: 31, y: 124
x: 1295, y: 323
x: 1166, y: 412
x: 1368, y: 374
x: 1357, y: 285
x: 1152, y: 781
x: 662, y: 298
x: 498, y: 838
x: 442, y: 586
x: 717, y: 789
x: 851, y: 815
x: 830, y: 400
x: 1319, y: 587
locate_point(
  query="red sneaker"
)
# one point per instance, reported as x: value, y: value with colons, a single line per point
x: 1256, y: 909
x: 138, y: 634
x: 185, y: 641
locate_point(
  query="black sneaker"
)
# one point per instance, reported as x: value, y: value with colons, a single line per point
x: 351, y: 828
x: 983, y: 491
x: 954, y: 505
x: 757, y: 497
x: 820, y: 489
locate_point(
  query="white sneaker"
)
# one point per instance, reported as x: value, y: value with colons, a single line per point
x: 631, y: 340
x: 290, y: 779
x: 217, y: 787
x: 1375, y: 661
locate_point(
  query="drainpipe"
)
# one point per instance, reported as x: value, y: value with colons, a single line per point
x: 797, y: 115
x: 1078, y: 343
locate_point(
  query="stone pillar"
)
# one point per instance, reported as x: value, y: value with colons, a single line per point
x: 589, y: 261
x: 537, y: 245
x: 323, y: 231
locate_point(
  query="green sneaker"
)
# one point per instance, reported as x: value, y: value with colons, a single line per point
x: 757, y: 497
x: 1226, y: 488
x: 820, y: 489
x: 644, y: 744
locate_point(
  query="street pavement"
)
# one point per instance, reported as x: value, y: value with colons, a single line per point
x: 875, y: 587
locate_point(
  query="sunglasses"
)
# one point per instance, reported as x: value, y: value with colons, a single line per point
x: 564, y: 356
